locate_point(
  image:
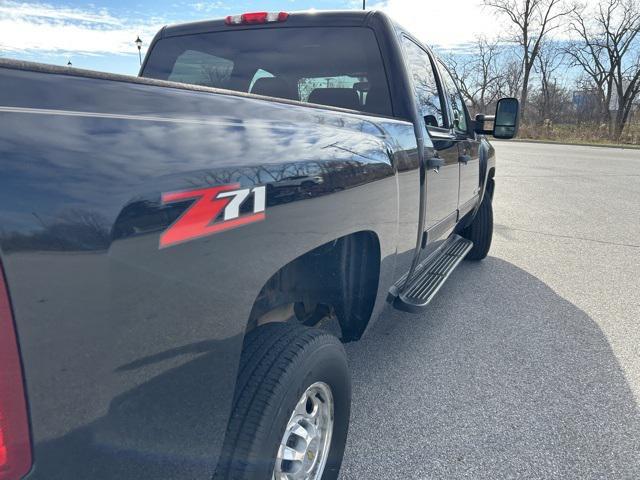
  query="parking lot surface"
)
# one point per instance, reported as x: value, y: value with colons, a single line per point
x: 527, y: 364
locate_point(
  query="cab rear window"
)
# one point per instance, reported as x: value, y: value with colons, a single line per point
x: 337, y: 66
x: 200, y: 68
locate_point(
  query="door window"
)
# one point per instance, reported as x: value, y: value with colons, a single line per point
x: 459, y: 110
x: 307, y: 85
x: 427, y: 94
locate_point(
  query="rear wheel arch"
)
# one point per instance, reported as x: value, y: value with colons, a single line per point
x: 339, y: 277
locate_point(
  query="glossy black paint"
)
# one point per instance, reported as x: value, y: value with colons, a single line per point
x: 130, y: 352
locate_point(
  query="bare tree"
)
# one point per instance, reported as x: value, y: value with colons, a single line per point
x: 551, y: 97
x: 511, y: 81
x: 478, y: 74
x: 608, y: 52
x: 531, y: 22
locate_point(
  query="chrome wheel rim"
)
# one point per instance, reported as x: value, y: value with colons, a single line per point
x: 304, y: 448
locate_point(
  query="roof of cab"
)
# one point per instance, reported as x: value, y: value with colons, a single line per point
x: 345, y: 18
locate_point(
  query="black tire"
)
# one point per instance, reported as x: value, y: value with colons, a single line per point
x: 279, y: 361
x: 480, y: 232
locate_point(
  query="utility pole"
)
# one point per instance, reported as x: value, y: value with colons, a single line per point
x: 363, y: 4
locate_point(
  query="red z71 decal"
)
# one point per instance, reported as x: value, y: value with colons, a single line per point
x: 201, y: 218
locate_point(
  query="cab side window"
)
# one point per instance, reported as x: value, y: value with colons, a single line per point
x: 427, y: 94
x: 459, y: 109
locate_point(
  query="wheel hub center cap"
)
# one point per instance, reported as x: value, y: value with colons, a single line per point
x: 304, y: 448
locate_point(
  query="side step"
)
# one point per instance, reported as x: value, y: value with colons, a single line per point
x: 430, y: 275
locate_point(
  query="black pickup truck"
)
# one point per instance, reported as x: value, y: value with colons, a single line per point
x: 184, y: 253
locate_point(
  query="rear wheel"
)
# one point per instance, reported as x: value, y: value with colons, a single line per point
x: 480, y: 232
x: 291, y: 407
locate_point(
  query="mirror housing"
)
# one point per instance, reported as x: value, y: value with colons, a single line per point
x: 504, y: 124
x: 483, y: 124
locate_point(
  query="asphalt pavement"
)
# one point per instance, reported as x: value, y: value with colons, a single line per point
x: 527, y: 364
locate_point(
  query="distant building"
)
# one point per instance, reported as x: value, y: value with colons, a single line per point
x: 584, y: 99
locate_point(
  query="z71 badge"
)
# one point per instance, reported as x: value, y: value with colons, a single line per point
x: 201, y: 218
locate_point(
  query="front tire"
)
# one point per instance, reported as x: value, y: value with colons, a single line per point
x: 480, y: 232
x: 292, y: 381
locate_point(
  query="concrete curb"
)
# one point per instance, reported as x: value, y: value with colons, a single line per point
x: 551, y: 142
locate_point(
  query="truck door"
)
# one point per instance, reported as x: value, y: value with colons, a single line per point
x: 441, y: 182
x: 468, y: 144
